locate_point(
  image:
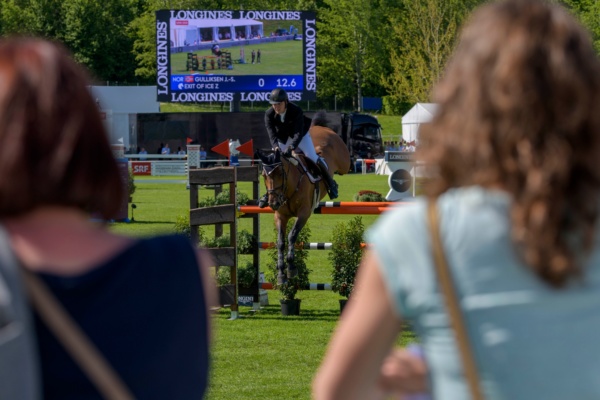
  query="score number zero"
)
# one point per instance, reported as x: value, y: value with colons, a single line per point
x: 282, y: 82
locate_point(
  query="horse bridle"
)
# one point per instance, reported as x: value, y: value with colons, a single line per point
x: 281, y: 195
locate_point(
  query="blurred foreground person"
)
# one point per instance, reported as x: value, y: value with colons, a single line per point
x: 142, y: 302
x: 513, y: 153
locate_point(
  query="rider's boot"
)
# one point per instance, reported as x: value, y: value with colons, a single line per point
x: 332, y: 186
x: 263, y: 201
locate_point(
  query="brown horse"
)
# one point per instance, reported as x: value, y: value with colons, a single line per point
x: 292, y: 192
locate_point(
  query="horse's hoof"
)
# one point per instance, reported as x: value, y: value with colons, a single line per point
x: 292, y: 272
x: 281, y: 279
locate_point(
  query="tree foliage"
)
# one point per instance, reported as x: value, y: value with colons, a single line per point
x: 588, y: 12
x: 425, y: 32
x: 391, y: 48
x: 346, y: 255
x: 95, y: 32
x: 351, y: 54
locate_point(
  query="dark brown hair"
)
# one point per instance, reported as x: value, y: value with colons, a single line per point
x: 518, y: 110
x: 53, y: 147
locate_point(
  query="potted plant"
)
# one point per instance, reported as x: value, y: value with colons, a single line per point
x: 245, y: 275
x: 290, y: 305
x: 224, y: 286
x: 345, y: 256
x: 369, y: 196
x: 246, y: 272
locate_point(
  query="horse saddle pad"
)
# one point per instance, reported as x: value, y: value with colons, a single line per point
x: 311, y: 169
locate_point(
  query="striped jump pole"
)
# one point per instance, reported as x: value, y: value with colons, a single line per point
x: 318, y: 286
x: 300, y: 245
x: 310, y: 286
x: 307, y: 246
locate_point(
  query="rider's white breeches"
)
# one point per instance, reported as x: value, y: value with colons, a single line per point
x: 306, y: 146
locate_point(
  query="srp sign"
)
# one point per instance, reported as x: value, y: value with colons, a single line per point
x: 141, y: 167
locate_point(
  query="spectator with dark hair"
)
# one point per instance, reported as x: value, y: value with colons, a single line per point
x: 142, y: 302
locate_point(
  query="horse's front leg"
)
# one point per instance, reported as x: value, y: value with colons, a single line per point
x: 292, y: 270
x: 281, y: 224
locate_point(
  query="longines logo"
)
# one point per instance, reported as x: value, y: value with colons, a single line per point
x: 400, y: 180
x: 400, y: 156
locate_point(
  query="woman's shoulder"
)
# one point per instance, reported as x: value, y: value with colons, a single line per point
x: 148, y: 254
x: 466, y: 208
x: 474, y: 195
x: 409, y: 217
x: 158, y: 247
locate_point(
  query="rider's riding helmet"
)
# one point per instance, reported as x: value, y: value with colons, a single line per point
x: 277, y: 96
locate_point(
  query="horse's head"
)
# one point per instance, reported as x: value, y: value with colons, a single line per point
x: 275, y: 177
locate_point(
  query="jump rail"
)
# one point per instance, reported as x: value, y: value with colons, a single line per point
x: 346, y: 209
x: 302, y: 245
x: 310, y: 286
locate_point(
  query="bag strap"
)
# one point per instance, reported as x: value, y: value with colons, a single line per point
x: 449, y: 291
x: 74, y: 340
x: 19, y: 361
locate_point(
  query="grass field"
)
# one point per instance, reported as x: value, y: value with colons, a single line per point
x: 278, y: 58
x: 262, y: 355
x: 391, y: 127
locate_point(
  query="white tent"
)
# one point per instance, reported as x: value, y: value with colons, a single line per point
x: 118, y: 106
x: 419, y: 114
x: 196, y: 31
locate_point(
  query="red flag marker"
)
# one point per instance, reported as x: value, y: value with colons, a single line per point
x: 246, y: 148
x: 222, y: 149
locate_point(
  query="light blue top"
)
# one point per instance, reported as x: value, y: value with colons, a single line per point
x: 530, y: 341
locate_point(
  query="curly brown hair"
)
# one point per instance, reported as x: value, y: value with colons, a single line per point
x: 54, y: 150
x: 518, y: 111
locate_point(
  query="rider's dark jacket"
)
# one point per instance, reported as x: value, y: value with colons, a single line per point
x: 293, y: 126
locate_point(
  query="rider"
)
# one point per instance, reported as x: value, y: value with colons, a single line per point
x: 285, y: 125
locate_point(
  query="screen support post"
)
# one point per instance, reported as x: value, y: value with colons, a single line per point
x: 235, y: 105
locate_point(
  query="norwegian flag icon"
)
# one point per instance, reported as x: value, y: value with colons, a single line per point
x: 189, y: 79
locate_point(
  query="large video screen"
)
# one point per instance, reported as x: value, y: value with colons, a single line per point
x: 207, y: 56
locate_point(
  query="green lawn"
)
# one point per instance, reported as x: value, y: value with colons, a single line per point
x: 262, y: 355
x: 391, y: 127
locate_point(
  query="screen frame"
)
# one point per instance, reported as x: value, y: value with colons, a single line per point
x: 164, y: 83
